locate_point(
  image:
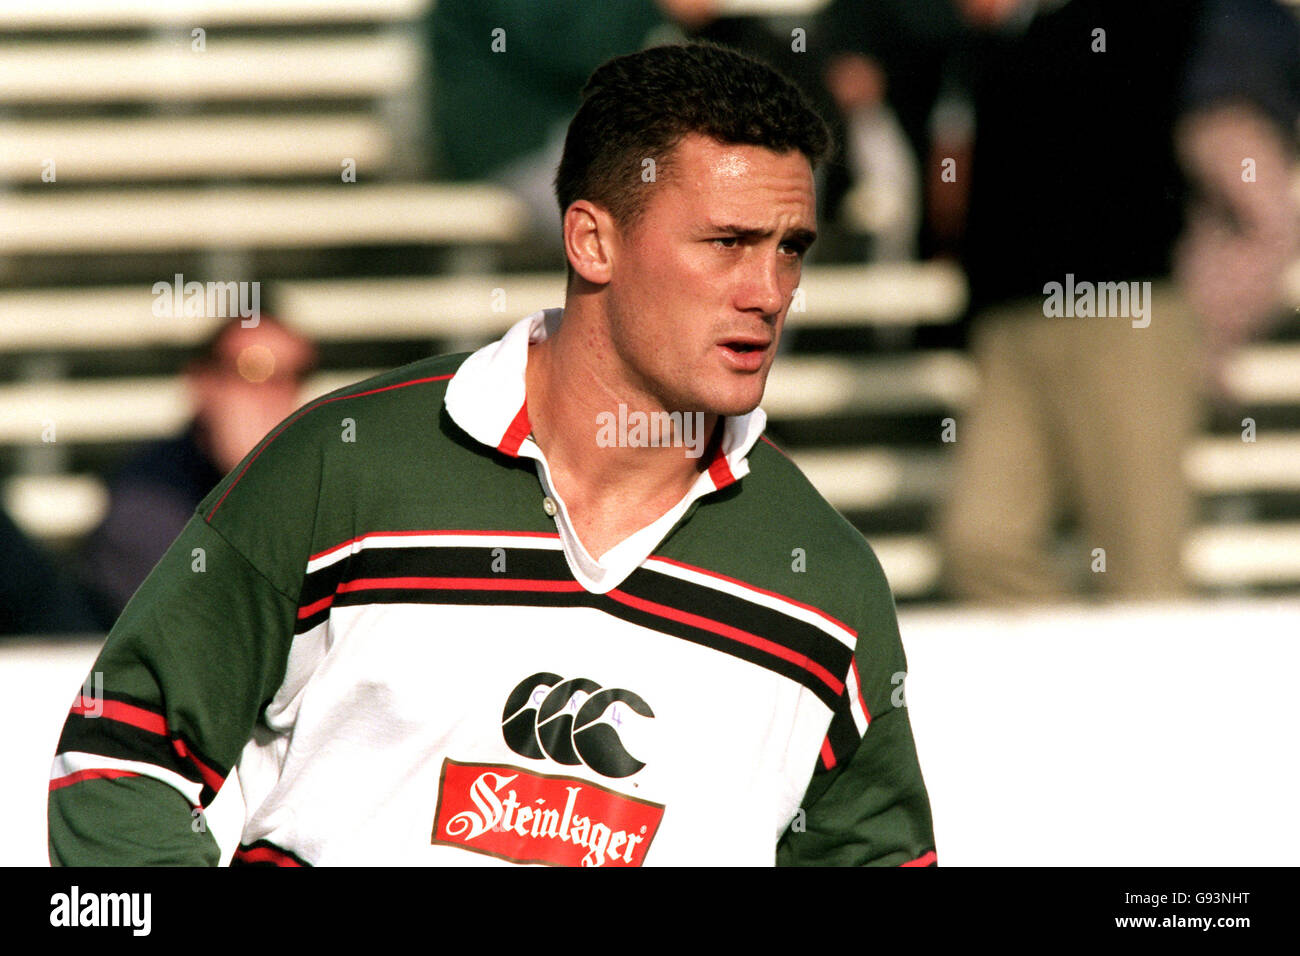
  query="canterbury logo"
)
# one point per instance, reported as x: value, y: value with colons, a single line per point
x: 548, y: 716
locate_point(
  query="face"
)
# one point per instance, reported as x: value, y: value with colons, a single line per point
x: 252, y: 385
x: 700, y: 285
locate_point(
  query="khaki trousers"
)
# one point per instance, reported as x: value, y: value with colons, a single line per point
x: 1086, y: 414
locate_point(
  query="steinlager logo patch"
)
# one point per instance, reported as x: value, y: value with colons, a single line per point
x: 524, y: 817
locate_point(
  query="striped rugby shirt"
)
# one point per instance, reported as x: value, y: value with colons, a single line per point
x: 383, y: 618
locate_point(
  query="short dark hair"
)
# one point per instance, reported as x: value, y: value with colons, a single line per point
x: 641, y: 105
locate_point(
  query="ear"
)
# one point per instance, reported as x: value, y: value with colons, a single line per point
x: 590, y: 241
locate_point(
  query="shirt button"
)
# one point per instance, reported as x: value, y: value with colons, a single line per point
x: 548, y: 505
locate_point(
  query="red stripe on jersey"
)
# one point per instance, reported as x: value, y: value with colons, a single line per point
x: 441, y: 531
x: 828, y: 755
x: 857, y: 679
x: 100, y: 773
x: 925, y: 859
x: 516, y: 433
x: 754, y: 587
x: 314, y: 606
x: 466, y: 584
x: 735, y: 633
x: 210, y: 776
x: 149, y: 722
x: 146, y: 720
x: 264, y: 854
x: 774, y: 445
x: 307, y: 408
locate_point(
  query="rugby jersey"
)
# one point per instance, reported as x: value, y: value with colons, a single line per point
x: 383, y: 618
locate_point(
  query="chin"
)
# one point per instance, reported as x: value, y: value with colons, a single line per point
x: 728, y: 397
x: 734, y: 406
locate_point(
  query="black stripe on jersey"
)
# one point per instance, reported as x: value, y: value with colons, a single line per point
x: 305, y: 624
x: 119, y: 739
x: 287, y: 857
x: 316, y: 586
x: 842, y: 734
x: 463, y: 562
x: 725, y: 645
x: 186, y: 766
x: 208, y: 793
x: 520, y: 563
x: 799, y: 636
x: 112, y: 738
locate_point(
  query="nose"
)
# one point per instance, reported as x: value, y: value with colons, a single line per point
x: 764, y: 289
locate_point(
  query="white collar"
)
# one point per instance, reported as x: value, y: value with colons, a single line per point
x: 486, y: 397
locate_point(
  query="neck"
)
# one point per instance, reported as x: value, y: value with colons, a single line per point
x: 574, y: 398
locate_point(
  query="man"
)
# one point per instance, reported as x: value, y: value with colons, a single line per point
x: 552, y: 603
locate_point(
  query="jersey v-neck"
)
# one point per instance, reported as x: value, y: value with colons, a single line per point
x: 487, y: 398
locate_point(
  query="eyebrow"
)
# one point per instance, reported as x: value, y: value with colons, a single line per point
x: 805, y: 236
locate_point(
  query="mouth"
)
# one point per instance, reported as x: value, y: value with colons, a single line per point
x: 745, y: 353
x: 746, y: 345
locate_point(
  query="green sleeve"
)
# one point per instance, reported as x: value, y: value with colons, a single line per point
x: 130, y: 821
x: 873, y: 811
x: 186, y: 671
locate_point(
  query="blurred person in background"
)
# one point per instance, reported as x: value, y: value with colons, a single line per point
x: 242, y: 384
x: 507, y: 76
x: 888, y: 65
x: 1075, y: 179
x: 1237, y: 142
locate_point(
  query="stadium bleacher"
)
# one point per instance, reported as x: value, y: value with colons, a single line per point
x: 229, y: 159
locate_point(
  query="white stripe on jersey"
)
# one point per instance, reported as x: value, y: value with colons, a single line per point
x: 75, y: 761
x: 861, y: 719
x: 433, y: 539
